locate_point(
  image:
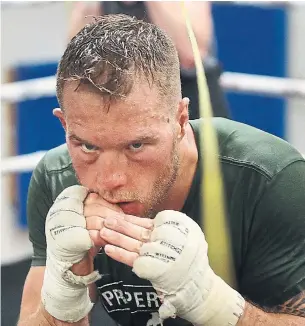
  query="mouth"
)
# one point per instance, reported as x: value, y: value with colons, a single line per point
x: 129, y: 207
x: 116, y: 202
x: 124, y: 203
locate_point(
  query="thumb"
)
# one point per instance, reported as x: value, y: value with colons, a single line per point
x: 167, y: 309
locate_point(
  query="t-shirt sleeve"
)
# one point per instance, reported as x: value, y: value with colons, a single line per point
x: 39, y: 202
x: 274, y: 266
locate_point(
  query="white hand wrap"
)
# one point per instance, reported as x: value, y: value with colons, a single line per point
x: 175, y: 261
x: 64, y: 295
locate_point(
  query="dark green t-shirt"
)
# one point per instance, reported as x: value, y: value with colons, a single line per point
x: 264, y: 180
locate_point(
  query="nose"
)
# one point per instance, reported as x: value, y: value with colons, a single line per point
x: 111, y: 171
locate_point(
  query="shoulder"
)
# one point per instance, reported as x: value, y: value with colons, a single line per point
x: 246, y: 146
x: 54, y: 172
x: 57, y: 159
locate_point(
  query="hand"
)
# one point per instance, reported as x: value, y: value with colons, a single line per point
x: 94, y: 205
x: 96, y: 210
x: 125, y: 237
x: 68, y: 242
x: 121, y: 235
x: 175, y: 261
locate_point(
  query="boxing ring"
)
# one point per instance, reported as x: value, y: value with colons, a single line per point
x: 45, y: 87
x: 11, y: 93
x: 230, y: 81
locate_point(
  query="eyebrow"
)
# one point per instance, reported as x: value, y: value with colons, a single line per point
x: 141, y: 138
x: 144, y: 138
x: 81, y: 140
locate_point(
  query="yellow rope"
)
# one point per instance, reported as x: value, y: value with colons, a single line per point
x: 213, y: 213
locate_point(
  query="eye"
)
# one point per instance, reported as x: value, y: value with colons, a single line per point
x: 87, y: 148
x: 135, y: 147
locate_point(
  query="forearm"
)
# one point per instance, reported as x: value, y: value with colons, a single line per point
x: 254, y: 316
x: 169, y: 17
x: 42, y: 318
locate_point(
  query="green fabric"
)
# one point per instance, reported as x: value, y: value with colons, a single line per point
x: 264, y: 179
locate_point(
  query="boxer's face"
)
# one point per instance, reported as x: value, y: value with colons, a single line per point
x: 128, y: 153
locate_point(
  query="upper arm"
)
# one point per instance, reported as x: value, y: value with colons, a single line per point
x: 39, y: 202
x: 274, y: 267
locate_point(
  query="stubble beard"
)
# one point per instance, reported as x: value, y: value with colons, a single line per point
x: 162, y: 186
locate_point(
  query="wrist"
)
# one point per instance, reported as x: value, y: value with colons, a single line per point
x: 65, y: 296
x: 222, y: 306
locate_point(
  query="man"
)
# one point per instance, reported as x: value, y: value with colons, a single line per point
x: 116, y: 208
x: 169, y: 17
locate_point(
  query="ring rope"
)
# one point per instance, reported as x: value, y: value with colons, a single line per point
x: 21, y: 163
x: 230, y: 81
x: 212, y: 187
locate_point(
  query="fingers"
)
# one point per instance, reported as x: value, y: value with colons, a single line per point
x: 117, y: 232
x: 121, y: 240
x: 94, y: 198
x: 99, y: 210
x: 98, y: 217
x: 121, y: 226
x: 121, y: 255
x: 109, y: 227
x: 91, y: 198
x: 96, y: 206
x: 96, y: 238
x: 94, y: 222
x: 140, y: 221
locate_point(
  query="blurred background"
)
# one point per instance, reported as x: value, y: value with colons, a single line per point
x: 265, y: 39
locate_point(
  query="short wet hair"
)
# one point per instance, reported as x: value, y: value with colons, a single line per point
x: 113, y: 52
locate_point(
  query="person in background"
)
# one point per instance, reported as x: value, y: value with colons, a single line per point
x: 168, y: 16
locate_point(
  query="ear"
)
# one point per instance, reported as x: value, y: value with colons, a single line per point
x: 60, y: 115
x: 182, y: 117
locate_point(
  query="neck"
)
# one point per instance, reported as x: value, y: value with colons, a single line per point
x: 188, y: 164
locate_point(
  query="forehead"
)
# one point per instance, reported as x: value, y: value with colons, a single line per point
x: 140, y: 111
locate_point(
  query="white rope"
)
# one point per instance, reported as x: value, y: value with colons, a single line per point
x: 263, y: 85
x: 231, y: 81
x: 28, y: 90
x: 23, y: 4
x: 266, y: 4
x: 21, y: 163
